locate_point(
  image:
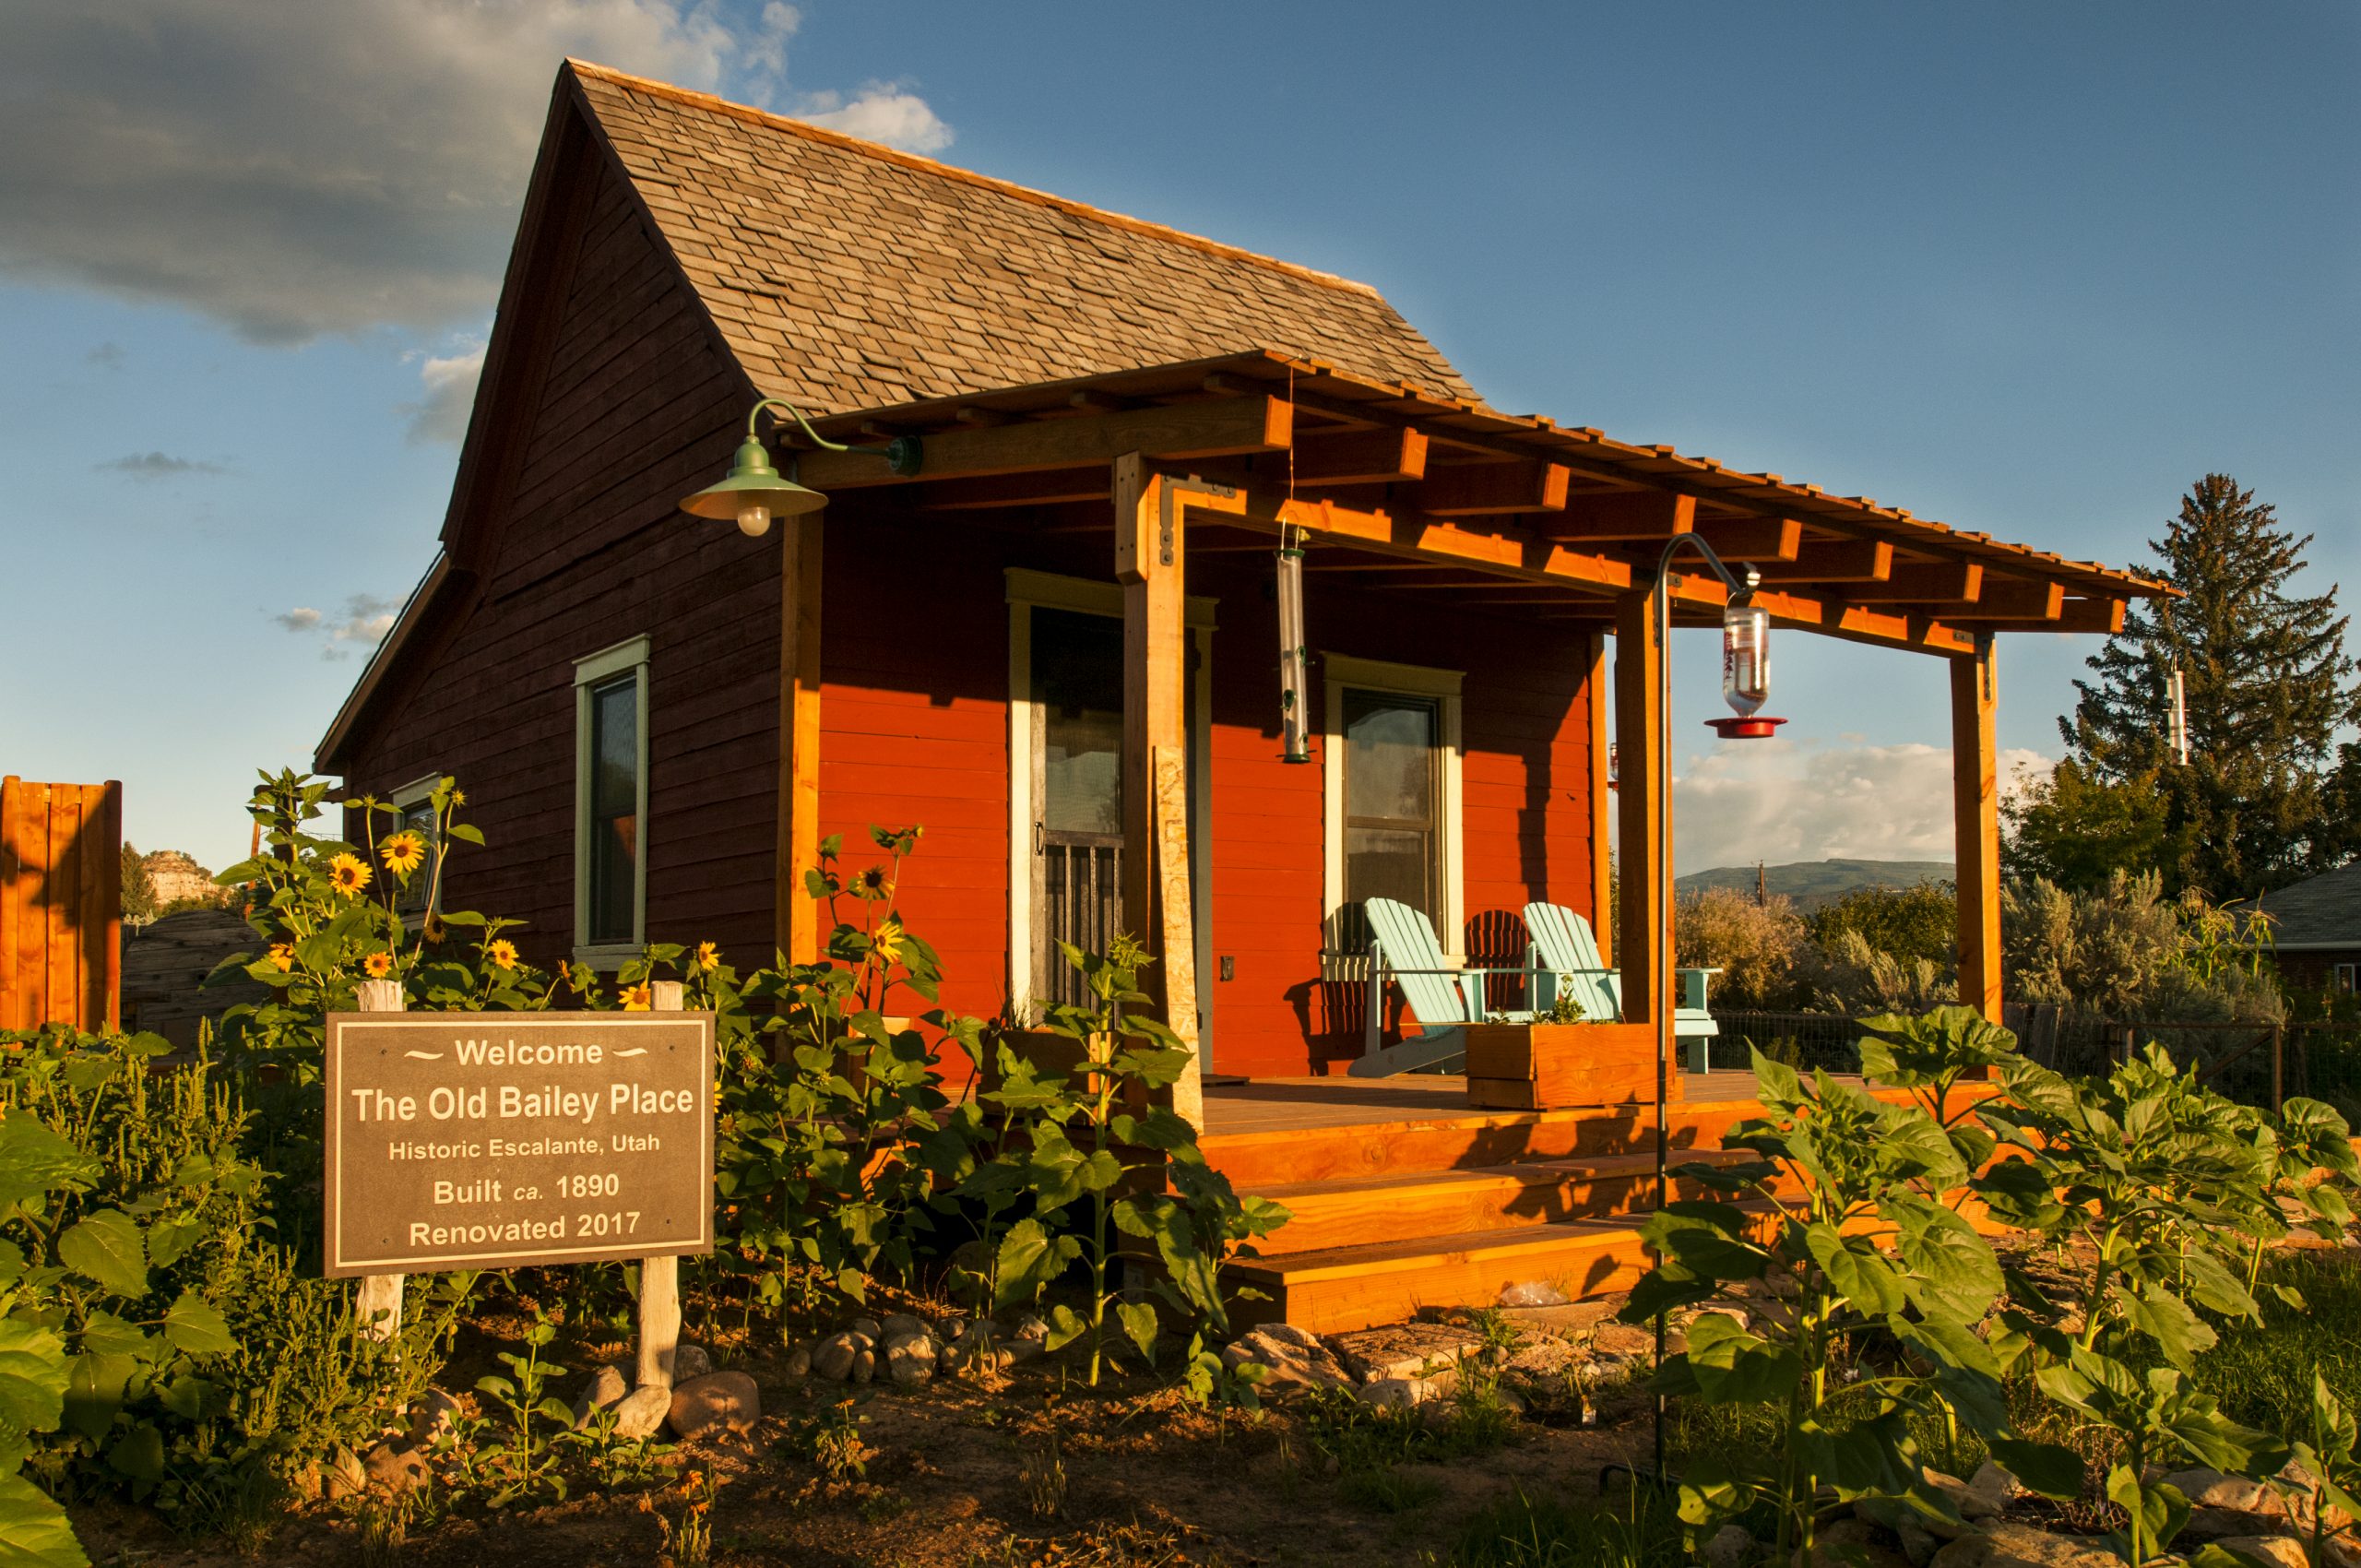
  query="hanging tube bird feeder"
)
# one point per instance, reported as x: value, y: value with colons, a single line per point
x: 1295, y: 705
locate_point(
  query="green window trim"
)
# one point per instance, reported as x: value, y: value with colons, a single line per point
x: 596, y: 677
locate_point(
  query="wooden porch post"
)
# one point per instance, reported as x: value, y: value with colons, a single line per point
x: 1602, y: 798
x: 1150, y: 563
x: 1976, y: 808
x: 1646, y: 945
x: 797, y: 916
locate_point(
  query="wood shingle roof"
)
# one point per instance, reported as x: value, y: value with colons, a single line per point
x: 848, y: 276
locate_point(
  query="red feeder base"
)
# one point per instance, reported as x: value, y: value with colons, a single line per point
x: 1760, y: 727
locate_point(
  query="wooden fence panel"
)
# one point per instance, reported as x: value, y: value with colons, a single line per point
x: 61, y: 904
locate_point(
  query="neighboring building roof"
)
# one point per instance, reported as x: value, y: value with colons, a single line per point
x: 845, y: 275
x: 2321, y: 912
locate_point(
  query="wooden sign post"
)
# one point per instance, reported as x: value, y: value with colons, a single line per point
x: 505, y: 1140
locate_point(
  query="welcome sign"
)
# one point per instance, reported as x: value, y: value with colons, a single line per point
x: 501, y: 1140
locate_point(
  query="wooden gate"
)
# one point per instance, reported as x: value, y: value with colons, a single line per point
x: 61, y: 904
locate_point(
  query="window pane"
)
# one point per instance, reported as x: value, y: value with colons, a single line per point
x: 417, y: 818
x: 1384, y: 862
x: 1078, y: 684
x: 614, y: 809
x: 1389, y: 757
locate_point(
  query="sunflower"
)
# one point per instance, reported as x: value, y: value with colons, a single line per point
x: 403, y: 853
x: 502, y: 954
x: 282, y: 956
x: 379, y: 965
x: 458, y: 797
x: 434, y: 931
x: 349, y: 874
x: 887, y: 943
x: 708, y: 955
x: 874, y: 880
x: 636, y: 998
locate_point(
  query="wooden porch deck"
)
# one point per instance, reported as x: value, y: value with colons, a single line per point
x: 1403, y: 1197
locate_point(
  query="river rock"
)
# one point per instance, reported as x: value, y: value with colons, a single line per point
x: 1730, y: 1547
x: 2284, y: 1550
x: 394, y: 1469
x: 1291, y: 1356
x: 642, y: 1412
x: 910, y: 1360
x: 691, y: 1361
x: 1394, y: 1392
x: 434, y: 1414
x: 833, y: 1356
x: 868, y: 1328
x: 1853, y: 1543
x: 342, y: 1475
x: 2003, y: 1544
x: 864, y: 1366
x: 799, y: 1360
x: 899, y: 1325
x: 722, y: 1399
x: 1532, y: 1293
x: 1030, y: 1326
x: 603, y: 1392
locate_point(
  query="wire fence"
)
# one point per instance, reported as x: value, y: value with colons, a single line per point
x: 2254, y: 1064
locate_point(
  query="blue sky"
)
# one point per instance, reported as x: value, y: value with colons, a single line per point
x: 2031, y: 269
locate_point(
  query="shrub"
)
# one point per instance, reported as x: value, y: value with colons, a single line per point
x: 2126, y: 951
x: 1757, y: 946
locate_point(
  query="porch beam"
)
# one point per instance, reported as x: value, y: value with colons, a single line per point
x: 2092, y: 615
x: 1652, y: 516
x: 1477, y: 490
x: 1833, y: 561
x: 1388, y: 455
x: 1757, y: 540
x: 1916, y: 582
x: 1151, y: 563
x: 2013, y: 599
x: 796, y: 850
x: 1178, y: 432
x: 1054, y: 487
x: 1975, y: 816
x: 1647, y: 945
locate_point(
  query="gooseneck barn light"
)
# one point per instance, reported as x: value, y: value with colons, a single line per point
x: 754, y: 491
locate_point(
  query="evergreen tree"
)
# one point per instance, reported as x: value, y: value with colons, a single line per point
x: 2269, y: 685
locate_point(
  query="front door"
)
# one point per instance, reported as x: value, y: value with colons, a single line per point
x: 1077, y: 682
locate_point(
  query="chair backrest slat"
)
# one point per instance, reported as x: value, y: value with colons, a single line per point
x: 1407, y: 939
x: 1566, y: 942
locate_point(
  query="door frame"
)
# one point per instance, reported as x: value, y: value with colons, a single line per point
x: 1028, y: 591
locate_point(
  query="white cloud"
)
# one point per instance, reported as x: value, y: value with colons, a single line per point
x: 449, y: 386
x: 364, y: 622
x: 1782, y: 801
x: 298, y: 169
x: 884, y: 111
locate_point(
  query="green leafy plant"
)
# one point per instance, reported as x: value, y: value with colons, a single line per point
x: 1846, y: 1246
x: 521, y: 1466
x: 1093, y: 1153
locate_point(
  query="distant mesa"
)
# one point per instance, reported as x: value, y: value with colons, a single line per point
x: 1812, y: 884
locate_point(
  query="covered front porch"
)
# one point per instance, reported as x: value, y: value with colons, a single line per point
x: 1457, y: 538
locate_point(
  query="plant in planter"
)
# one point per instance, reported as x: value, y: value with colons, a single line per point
x: 1843, y: 1252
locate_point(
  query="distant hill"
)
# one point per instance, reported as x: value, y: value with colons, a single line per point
x: 1813, y: 883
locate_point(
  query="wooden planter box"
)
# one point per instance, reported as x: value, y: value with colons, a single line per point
x: 1550, y: 1066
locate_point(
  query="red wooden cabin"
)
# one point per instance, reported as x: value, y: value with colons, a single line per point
x: 657, y: 719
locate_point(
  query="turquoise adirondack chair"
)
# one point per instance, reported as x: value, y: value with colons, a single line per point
x: 1565, y: 948
x: 1442, y: 998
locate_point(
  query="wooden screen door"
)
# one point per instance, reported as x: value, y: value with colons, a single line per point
x: 1077, y: 793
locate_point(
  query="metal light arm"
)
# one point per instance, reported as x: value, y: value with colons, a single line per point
x: 904, y: 454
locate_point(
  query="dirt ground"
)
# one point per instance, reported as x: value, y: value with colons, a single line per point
x: 958, y: 1474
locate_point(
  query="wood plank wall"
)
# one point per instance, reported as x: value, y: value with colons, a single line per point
x: 61, y: 904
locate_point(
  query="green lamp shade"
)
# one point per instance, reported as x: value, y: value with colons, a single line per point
x: 752, y: 482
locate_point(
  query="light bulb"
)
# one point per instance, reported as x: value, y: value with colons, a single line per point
x: 754, y: 519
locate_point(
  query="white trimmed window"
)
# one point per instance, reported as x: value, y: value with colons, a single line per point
x: 610, y: 805
x: 413, y: 806
x: 2346, y: 978
x: 1391, y: 759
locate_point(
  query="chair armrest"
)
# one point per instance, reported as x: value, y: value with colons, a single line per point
x: 1472, y: 971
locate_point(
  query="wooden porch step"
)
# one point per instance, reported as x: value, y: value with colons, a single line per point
x: 1367, y: 1210
x: 1259, y: 1160
x: 1336, y: 1290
